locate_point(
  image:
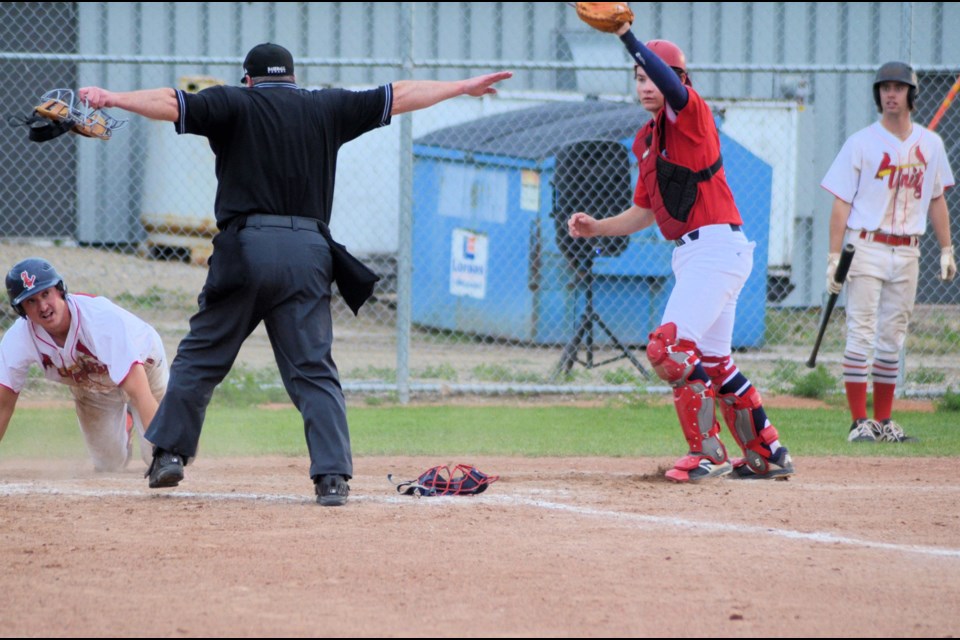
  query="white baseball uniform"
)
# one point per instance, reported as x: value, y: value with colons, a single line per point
x: 103, y: 343
x: 889, y: 183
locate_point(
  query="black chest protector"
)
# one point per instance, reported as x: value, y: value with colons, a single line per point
x: 678, y: 185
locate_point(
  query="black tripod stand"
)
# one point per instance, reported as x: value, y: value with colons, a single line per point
x: 584, y: 333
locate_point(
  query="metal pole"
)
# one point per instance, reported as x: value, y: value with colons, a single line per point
x: 906, y: 33
x: 405, y: 231
x: 906, y: 54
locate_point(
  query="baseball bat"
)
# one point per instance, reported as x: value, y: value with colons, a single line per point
x: 846, y: 257
x: 944, y: 105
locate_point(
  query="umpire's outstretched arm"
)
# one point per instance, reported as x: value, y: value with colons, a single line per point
x: 156, y: 104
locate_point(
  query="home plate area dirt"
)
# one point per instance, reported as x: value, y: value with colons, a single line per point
x: 595, y: 547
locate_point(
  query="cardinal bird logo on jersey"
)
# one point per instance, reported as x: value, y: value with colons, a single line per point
x: 907, y: 176
x: 29, y: 281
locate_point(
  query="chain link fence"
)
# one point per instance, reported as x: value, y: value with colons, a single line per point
x: 462, y: 207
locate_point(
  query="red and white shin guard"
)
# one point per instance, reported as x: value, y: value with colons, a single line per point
x: 678, y: 363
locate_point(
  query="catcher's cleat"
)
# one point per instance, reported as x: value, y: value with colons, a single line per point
x: 889, y: 431
x: 863, y: 430
x: 694, y: 468
x: 332, y: 490
x: 779, y: 467
x: 166, y: 470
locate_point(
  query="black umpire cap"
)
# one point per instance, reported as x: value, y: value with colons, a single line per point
x: 267, y: 59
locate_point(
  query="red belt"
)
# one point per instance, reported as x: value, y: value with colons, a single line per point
x: 893, y: 241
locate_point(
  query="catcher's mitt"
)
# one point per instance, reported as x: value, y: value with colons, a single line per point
x: 605, y: 16
x: 58, y: 113
x: 439, y: 481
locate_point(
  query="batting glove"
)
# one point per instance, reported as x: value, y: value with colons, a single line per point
x: 833, y: 259
x: 948, y: 266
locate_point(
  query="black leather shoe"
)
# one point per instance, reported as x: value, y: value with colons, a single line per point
x: 166, y: 470
x: 332, y: 490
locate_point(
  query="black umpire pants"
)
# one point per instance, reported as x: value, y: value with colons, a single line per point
x: 280, y: 275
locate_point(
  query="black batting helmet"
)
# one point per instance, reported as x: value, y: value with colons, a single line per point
x: 896, y: 72
x: 29, y: 277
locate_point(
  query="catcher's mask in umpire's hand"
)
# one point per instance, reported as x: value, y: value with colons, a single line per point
x: 41, y: 129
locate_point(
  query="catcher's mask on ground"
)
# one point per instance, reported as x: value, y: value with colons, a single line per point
x: 29, y: 277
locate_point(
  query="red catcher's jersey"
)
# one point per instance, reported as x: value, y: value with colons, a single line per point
x: 690, y: 140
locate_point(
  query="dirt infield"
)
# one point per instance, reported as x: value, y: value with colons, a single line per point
x: 558, y: 547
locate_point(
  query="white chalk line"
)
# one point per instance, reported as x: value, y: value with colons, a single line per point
x: 14, y: 489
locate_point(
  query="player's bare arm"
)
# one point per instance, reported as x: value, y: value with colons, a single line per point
x: 137, y: 387
x: 940, y: 221
x: 582, y: 225
x: 156, y: 104
x: 8, y: 401
x: 412, y: 95
x: 839, y: 215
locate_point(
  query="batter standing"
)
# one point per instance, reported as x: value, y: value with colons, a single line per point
x: 276, y: 146
x: 112, y: 360
x: 885, y: 180
x: 683, y: 188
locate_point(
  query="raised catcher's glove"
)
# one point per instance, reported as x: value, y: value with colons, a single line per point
x: 605, y: 16
x: 439, y: 481
x: 57, y: 114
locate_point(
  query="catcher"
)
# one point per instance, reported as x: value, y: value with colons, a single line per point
x: 683, y: 189
x: 113, y: 362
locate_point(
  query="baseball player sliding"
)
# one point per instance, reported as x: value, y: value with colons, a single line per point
x: 112, y: 361
x: 885, y: 180
x: 683, y: 189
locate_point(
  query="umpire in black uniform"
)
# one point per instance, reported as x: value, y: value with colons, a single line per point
x: 276, y: 157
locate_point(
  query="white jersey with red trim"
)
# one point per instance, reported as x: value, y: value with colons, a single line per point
x: 103, y: 343
x: 889, y: 181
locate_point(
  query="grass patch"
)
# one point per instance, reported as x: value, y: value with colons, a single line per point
x: 384, y: 374
x: 950, y: 402
x: 623, y: 375
x: 244, y: 387
x: 500, y: 373
x: 627, y: 429
x: 819, y: 384
x: 154, y: 298
x: 925, y: 375
x: 437, y: 372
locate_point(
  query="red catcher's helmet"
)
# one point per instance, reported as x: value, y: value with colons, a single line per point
x: 671, y: 54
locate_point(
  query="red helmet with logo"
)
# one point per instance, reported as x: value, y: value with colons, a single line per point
x: 671, y: 54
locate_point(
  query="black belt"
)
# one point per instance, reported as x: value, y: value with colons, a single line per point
x: 285, y: 222
x: 695, y: 235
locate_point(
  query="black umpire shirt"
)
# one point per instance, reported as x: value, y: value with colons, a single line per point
x: 276, y: 144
